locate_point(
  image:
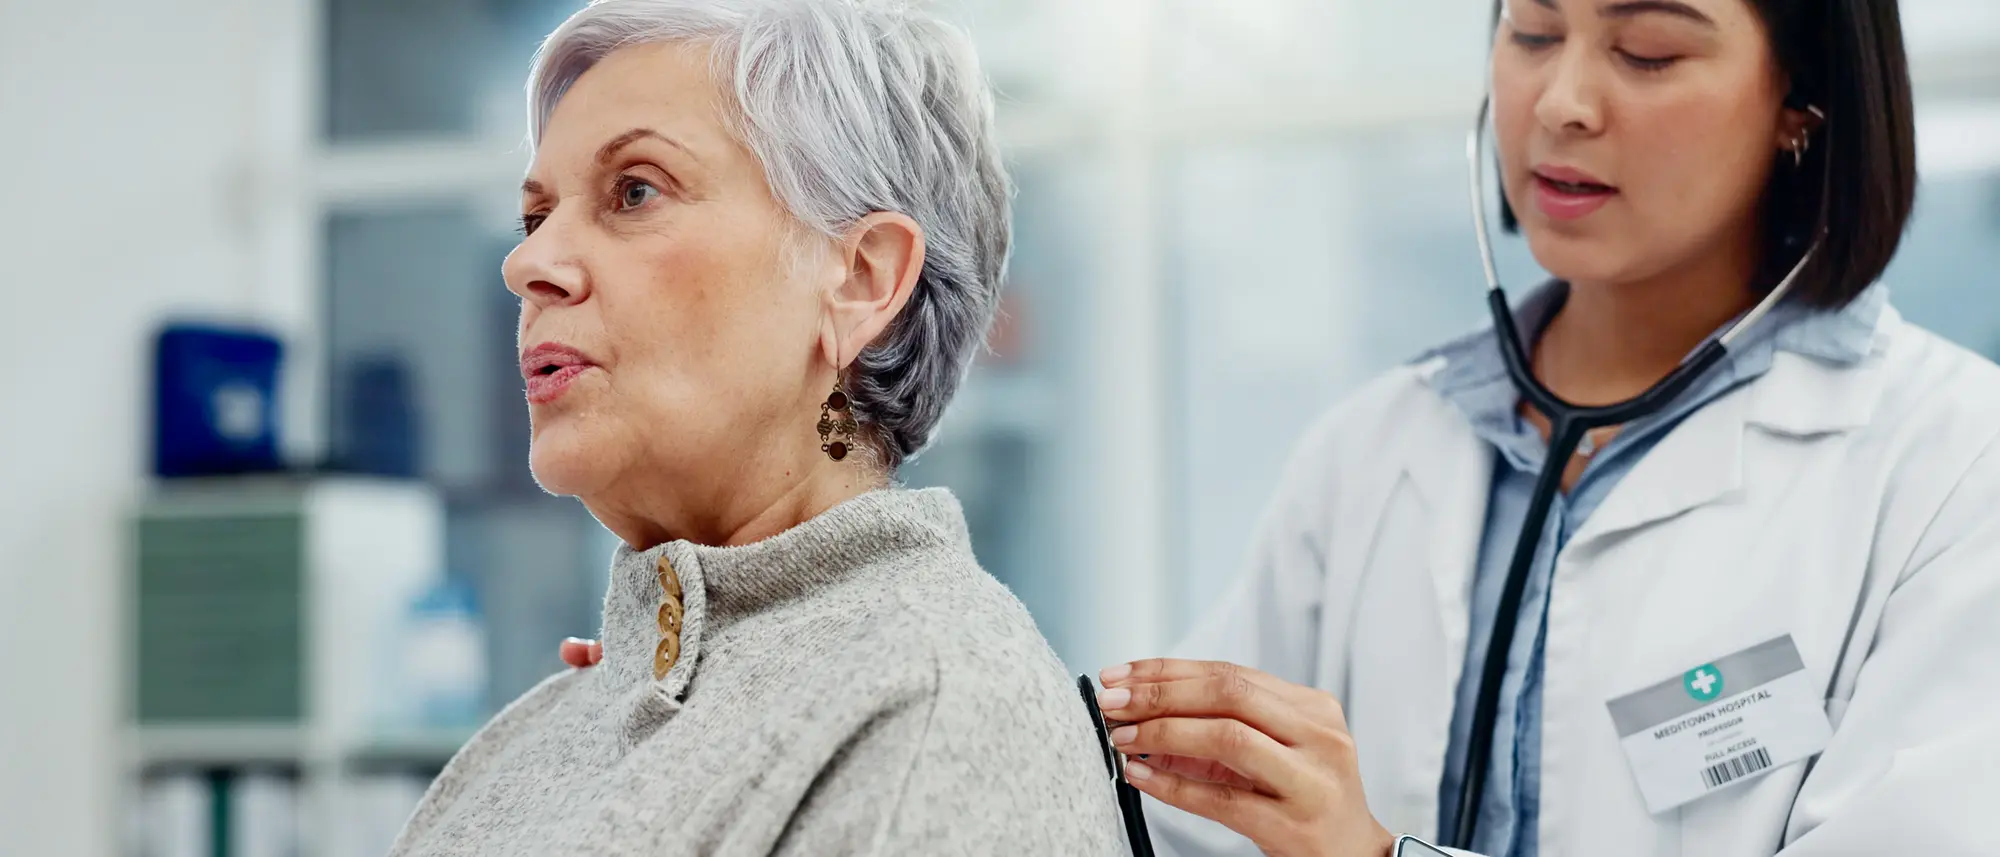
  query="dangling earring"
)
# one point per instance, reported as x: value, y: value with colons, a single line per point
x: 836, y: 432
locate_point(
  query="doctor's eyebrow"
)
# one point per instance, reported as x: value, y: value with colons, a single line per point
x: 1635, y: 8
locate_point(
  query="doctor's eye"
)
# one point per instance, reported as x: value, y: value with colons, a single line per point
x: 1532, y: 42
x: 1643, y: 63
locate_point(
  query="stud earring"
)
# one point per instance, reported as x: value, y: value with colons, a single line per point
x: 836, y: 432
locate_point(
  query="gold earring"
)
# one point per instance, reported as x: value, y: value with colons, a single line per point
x: 835, y: 433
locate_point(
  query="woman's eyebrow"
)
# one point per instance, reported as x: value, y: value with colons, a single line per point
x: 1635, y: 8
x: 610, y: 148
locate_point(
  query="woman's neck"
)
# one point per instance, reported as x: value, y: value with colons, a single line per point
x: 1610, y: 342
x: 730, y: 509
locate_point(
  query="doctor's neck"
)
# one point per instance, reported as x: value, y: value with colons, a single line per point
x: 1611, y: 341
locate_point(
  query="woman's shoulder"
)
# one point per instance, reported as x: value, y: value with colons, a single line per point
x: 996, y: 743
x: 1921, y: 393
x: 1931, y: 405
x: 931, y: 619
x: 940, y: 605
x: 1917, y: 361
x: 1363, y: 437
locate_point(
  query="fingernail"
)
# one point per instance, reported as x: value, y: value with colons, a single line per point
x: 1136, y: 771
x: 577, y: 641
x: 1112, y: 700
x: 1124, y: 735
x: 1117, y: 673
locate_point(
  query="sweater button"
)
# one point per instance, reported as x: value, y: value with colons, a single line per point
x: 671, y: 614
x: 669, y: 581
x: 666, y: 655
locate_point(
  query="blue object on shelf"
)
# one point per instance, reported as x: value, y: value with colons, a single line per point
x: 215, y: 401
x: 383, y: 432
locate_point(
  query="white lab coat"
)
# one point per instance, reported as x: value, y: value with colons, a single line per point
x: 1856, y: 508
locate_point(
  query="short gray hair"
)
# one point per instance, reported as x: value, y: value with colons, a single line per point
x: 854, y: 107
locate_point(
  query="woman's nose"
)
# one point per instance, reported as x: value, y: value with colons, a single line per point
x: 1569, y: 102
x: 544, y: 270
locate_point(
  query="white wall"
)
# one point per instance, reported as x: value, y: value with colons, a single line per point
x: 127, y: 135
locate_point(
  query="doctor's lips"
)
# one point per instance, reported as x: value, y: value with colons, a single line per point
x: 549, y: 368
x: 1564, y: 193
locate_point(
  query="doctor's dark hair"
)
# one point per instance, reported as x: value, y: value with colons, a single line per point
x: 1859, y: 179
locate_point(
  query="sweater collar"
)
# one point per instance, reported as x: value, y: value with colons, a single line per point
x: 724, y: 585
x: 797, y: 562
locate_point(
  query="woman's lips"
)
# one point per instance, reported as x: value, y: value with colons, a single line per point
x: 549, y: 386
x: 549, y: 368
x: 1564, y: 194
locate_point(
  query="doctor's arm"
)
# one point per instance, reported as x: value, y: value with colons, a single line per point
x: 1269, y: 616
x: 1914, y: 765
x: 1242, y: 754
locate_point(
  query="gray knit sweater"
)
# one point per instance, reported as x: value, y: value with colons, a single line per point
x: 856, y: 685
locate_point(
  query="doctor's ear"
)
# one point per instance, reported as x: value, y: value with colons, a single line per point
x: 1797, y: 124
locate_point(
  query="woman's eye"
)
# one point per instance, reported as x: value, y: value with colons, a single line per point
x: 1644, y: 63
x: 1534, y: 41
x: 531, y: 222
x: 633, y: 193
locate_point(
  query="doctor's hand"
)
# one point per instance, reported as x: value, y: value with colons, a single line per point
x: 1269, y: 759
x: 581, y: 653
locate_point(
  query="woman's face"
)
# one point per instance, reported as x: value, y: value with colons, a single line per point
x: 663, y: 334
x: 1636, y: 138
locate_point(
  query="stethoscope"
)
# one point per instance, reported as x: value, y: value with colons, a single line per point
x: 1569, y: 424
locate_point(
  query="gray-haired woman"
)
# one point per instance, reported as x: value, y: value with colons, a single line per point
x: 761, y: 242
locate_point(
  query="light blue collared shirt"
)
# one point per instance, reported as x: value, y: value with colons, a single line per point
x: 1475, y: 381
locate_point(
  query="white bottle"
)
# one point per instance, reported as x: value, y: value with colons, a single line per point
x: 444, y: 659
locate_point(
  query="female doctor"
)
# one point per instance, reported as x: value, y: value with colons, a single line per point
x: 1762, y: 618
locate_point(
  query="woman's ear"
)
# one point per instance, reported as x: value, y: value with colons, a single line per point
x: 1798, y: 123
x: 882, y: 258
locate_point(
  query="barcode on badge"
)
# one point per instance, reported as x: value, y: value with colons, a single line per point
x: 1737, y: 768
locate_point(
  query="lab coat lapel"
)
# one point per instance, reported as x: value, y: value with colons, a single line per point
x: 1452, y: 470
x: 1701, y: 460
x: 1803, y: 398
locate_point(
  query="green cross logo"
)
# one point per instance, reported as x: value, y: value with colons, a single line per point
x: 1704, y: 682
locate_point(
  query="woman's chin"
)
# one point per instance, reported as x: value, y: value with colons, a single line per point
x: 1578, y: 260
x: 564, y: 465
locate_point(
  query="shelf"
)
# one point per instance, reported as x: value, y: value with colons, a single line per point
x: 419, y: 747
x: 219, y: 744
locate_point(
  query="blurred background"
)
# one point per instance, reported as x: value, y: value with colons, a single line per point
x: 292, y: 213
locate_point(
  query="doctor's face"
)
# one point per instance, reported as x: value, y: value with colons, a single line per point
x: 1636, y: 138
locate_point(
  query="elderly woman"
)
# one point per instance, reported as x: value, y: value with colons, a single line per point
x: 762, y: 241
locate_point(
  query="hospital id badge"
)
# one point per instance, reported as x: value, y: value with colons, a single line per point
x: 1721, y: 723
